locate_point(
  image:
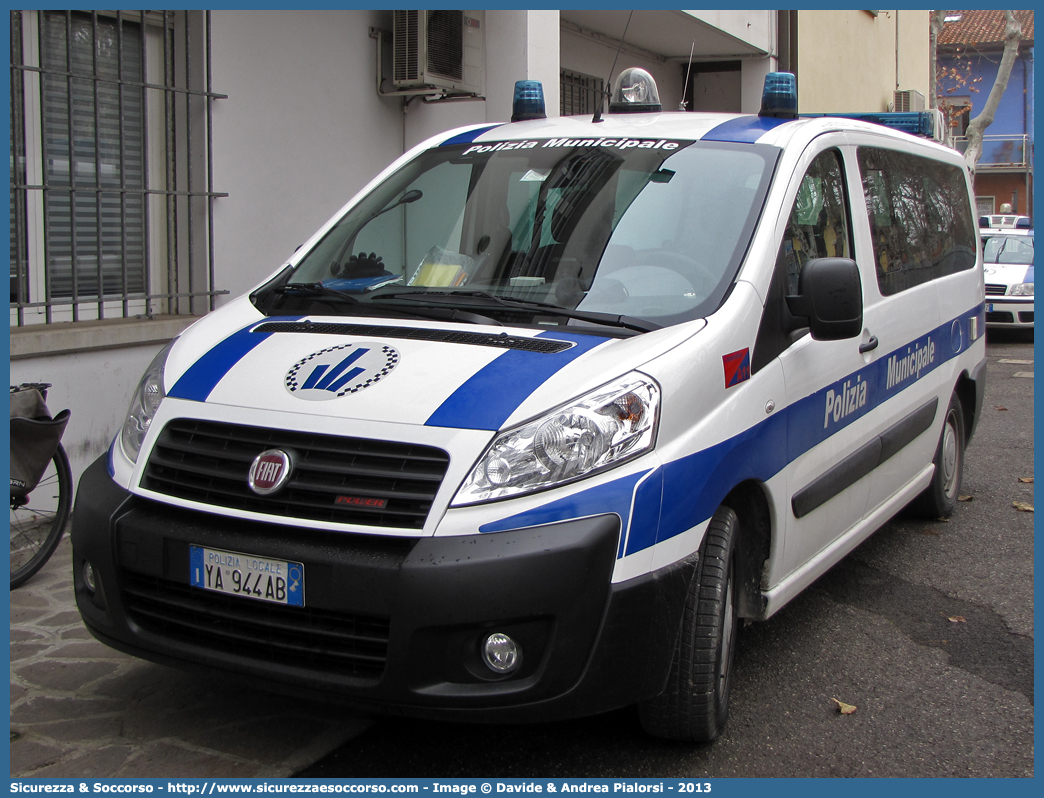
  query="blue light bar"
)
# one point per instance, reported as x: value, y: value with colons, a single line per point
x: 779, y: 98
x: 528, y: 102
x: 917, y: 123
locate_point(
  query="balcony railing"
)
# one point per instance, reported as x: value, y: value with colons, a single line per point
x: 1001, y: 152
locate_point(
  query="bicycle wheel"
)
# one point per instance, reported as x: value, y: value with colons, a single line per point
x: 37, y: 525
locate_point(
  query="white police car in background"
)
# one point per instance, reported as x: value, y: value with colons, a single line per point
x: 527, y: 428
x: 1007, y: 258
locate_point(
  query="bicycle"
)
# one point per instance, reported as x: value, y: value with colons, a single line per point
x: 41, y: 482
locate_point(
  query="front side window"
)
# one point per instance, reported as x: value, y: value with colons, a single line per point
x: 818, y: 225
x: 654, y: 232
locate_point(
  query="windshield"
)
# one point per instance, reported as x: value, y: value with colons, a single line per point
x: 1008, y: 249
x: 654, y: 232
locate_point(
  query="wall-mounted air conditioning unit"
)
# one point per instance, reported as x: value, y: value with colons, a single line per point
x: 439, y: 50
x: 907, y: 100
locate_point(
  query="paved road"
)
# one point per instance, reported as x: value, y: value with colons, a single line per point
x: 927, y: 629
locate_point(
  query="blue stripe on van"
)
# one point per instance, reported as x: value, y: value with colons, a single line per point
x: 468, y: 136
x: 609, y: 497
x: 759, y: 452
x: 203, y: 376
x: 745, y: 130
x: 488, y: 397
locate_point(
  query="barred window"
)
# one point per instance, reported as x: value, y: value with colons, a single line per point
x: 110, y: 181
x: 581, y: 94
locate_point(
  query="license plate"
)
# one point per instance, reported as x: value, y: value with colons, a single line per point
x: 247, y: 575
x: 989, y: 307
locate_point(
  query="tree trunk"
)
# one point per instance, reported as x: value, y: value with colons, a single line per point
x: 978, y: 125
x: 935, y: 29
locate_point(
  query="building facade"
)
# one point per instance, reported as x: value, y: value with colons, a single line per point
x: 165, y: 162
x: 970, y: 48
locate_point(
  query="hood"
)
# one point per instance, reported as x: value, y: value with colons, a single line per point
x: 465, y: 377
x: 1008, y: 273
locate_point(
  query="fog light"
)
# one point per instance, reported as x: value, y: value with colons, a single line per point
x: 501, y: 654
x: 88, y: 576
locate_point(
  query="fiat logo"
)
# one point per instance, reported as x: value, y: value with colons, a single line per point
x: 269, y: 472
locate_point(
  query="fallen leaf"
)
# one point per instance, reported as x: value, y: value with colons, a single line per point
x: 1023, y: 507
x: 958, y: 619
x: 1027, y: 480
x: 943, y: 520
x: 965, y: 498
x: 843, y: 708
x: 1002, y: 409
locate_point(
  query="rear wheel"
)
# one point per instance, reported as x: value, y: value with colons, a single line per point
x: 695, y: 703
x: 940, y: 497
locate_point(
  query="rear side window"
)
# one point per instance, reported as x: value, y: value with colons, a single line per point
x: 920, y: 218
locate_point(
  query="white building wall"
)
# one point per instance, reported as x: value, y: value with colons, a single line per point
x: 302, y: 130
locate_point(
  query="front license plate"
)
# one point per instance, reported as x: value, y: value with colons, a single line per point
x: 247, y: 575
x: 989, y: 307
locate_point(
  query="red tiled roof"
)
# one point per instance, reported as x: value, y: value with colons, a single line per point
x: 982, y: 27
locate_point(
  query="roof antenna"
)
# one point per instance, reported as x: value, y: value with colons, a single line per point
x: 685, y: 88
x: 598, y: 110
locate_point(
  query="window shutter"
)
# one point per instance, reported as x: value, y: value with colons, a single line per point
x: 83, y: 115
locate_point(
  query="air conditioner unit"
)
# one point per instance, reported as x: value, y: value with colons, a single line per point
x: 439, y: 50
x: 907, y: 101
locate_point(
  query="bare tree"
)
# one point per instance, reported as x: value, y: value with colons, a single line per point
x: 978, y: 125
x: 936, y: 23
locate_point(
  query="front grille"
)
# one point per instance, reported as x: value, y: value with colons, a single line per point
x: 995, y: 290
x: 1000, y: 317
x: 1027, y: 317
x: 318, y: 640
x: 546, y: 346
x: 335, y: 479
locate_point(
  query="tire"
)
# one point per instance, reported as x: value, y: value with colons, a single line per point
x: 940, y: 497
x: 695, y: 703
x: 37, y: 525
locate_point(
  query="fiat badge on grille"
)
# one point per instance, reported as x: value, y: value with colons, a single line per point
x: 269, y: 471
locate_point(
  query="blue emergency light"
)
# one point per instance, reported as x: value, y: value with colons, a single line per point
x: 779, y: 99
x: 528, y: 102
x: 916, y: 123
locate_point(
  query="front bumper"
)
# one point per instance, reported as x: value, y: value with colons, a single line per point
x: 390, y: 624
x: 1009, y: 312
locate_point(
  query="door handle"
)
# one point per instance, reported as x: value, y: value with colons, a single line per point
x: 869, y: 346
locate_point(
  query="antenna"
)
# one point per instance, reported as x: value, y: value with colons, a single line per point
x: 685, y: 88
x: 598, y: 111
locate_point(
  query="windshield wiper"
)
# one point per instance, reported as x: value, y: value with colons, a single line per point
x: 315, y: 289
x: 514, y: 303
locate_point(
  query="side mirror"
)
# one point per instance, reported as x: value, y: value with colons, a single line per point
x: 830, y: 297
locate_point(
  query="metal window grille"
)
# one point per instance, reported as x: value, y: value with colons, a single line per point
x: 111, y: 178
x: 581, y: 94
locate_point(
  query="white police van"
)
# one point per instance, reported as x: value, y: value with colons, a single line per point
x: 527, y: 428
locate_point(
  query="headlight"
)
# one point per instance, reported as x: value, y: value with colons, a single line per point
x: 598, y: 431
x: 1021, y: 289
x: 144, y: 405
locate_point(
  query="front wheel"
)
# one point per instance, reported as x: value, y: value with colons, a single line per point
x: 38, y: 524
x: 940, y: 497
x: 695, y: 703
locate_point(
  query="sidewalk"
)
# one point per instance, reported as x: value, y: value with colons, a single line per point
x: 82, y: 710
